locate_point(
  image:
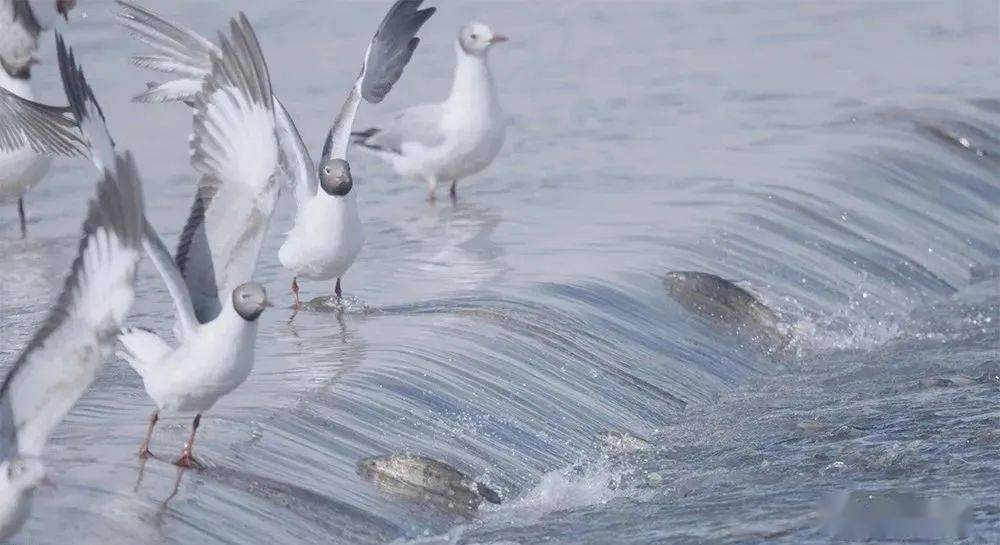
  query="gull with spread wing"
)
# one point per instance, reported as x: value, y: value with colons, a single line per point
x: 327, y: 235
x: 234, y: 148
x: 30, y: 133
x: 66, y: 353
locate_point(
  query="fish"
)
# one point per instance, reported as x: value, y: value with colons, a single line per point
x: 723, y: 302
x: 424, y: 480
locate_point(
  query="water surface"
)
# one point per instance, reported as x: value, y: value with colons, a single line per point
x: 839, y: 158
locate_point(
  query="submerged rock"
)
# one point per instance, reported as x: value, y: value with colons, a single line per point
x: 621, y: 442
x: 425, y: 480
x: 726, y: 303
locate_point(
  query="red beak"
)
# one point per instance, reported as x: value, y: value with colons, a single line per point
x: 498, y: 38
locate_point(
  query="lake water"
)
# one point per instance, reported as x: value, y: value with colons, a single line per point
x: 840, y: 159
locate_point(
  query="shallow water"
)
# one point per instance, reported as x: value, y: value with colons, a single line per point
x: 839, y: 159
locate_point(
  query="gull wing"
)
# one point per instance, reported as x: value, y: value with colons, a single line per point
x: 415, y: 125
x: 388, y: 54
x: 65, y: 354
x: 187, y: 56
x: 180, y: 52
x: 235, y: 149
x: 45, y: 129
x: 90, y: 118
x: 85, y: 109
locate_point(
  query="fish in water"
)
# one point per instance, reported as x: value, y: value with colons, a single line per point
x: 724, y: 302
x: 621, y: 442
x: 421, y: 479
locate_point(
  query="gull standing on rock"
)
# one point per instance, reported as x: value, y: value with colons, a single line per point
x: 328, y: 234
x: 66, y: 353
x: 26, y: 155
x: 454, y: 139
x: 235, y: 149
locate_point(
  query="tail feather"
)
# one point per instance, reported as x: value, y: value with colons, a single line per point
x: 142, y: 348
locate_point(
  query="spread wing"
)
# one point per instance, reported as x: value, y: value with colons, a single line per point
x: 180, y: 52
x: 45, y: 129
x: 296, y: 163
x: 388, y: 54
x: 416, y: 125
x: 187, y: 57
x: 93, y: 126
x: 86, y: 111
x: 235, y: 149
x: 62, y: 359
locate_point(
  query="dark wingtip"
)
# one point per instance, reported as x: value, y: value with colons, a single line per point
x: 78, y: 91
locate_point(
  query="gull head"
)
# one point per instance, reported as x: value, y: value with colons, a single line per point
x: 22, y: 473
x: 250, y: 300
x: 335, y: 177
x: 476, y: 39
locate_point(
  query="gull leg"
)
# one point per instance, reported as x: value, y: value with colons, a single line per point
x: 454, y: 190
x: 295, y: 290
x: 187, y: 459
x: 144, y: 449
x: 23, y: 218
x: 336, y: 289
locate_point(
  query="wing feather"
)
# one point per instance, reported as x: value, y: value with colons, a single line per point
x: 388, y: 54
x: 235, y: 149
x: 44, y: 129
x: 65, y: 354
x: 416, y: 125
x: 181, y: 52
x: 86, y: 110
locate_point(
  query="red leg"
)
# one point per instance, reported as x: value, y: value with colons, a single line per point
x: 187, y: 458
x: 144, y: 449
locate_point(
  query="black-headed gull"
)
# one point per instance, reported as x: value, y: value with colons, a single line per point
x: 454, y: 139
x: 327, y: 235
x: 235, y: 149
x: 25, y: 157
x: 66, y: 353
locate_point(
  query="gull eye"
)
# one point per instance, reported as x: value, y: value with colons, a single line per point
x: 474, y: 36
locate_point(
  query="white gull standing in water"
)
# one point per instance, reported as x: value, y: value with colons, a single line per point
x: 327, y: 235
x: 454, y: 139
x: 66, y: 353
x: 25, y: 156
x: 235, y: 149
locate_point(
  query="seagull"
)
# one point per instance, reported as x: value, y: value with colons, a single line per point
x: 64, y: 356
x: 235, y: 149
x: 454, y: 139
x: 25, y: 157
x: 327, y: 235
